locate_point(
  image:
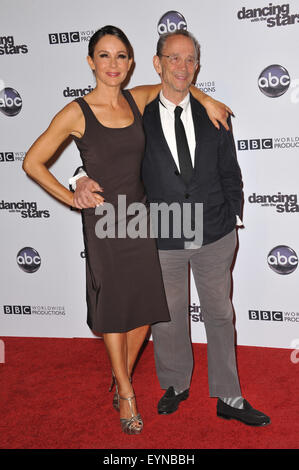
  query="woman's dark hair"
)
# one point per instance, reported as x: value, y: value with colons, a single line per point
x: 113, y: 31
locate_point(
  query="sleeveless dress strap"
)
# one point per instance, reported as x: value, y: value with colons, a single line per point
x: 132, y: 103
x: 84, y: 106
x: 89, y: 114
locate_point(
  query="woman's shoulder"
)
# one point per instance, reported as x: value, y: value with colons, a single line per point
x: 144, y: 94
x: 71, y: 111
x: 68, y: 118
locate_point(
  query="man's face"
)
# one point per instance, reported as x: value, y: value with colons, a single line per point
x: 176, y: 71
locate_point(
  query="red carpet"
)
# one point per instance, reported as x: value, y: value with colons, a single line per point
x: 54, y: 395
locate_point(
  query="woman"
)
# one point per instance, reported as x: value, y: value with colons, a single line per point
x: 125, y: 291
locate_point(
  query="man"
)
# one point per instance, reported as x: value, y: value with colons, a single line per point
x: 187, y: 160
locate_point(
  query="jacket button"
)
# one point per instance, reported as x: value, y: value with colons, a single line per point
x: 177, y: 172
x: 187, y: 196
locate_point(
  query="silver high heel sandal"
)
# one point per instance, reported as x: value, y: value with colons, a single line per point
x: 115, y: 401
x: 133, y: 425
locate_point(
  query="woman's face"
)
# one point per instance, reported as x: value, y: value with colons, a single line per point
x: 110, y: 61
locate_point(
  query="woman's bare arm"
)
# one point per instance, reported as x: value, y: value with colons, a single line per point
x: 216, y: 110
x: 62, y: 125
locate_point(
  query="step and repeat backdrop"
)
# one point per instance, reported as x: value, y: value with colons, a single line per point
x: 249, y: 60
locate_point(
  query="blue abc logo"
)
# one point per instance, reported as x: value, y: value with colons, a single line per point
x: 274, y: 81
x: 282, y: 259
x: 10, y: 102
x: 170, y: 22
x: 28, y: 259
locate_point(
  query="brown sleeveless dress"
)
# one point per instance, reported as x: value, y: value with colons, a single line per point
x: 123, y: 276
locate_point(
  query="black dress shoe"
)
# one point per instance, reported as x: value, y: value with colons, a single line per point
x: 246, y: 415
x: 170, y: 401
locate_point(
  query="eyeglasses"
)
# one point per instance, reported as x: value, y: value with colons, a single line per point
x: 175, y: 59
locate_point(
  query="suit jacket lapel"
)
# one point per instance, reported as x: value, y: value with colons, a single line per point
x: 157, y: 126
x: 196, y: 109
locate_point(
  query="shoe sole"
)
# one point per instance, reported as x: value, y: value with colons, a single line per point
x: 167, y: 412
x: 220, y: 415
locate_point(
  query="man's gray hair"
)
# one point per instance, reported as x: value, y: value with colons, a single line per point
x: 179, y: 32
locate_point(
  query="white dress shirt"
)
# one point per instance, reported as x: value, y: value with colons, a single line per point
x: 167, y: 120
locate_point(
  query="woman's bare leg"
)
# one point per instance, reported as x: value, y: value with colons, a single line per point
x: 135, y: 339
x: 116, y: 345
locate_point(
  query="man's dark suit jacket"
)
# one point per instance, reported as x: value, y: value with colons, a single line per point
x: 216, y: 180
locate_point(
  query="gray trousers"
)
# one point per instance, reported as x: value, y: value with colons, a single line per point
x: 210, y: 266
